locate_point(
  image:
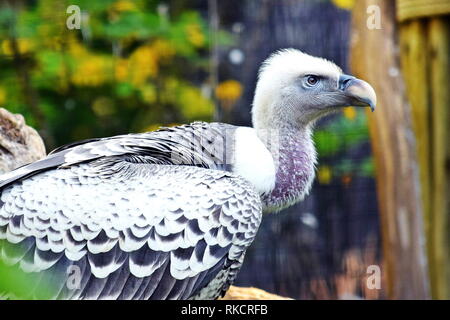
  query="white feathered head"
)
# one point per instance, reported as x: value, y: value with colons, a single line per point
x: 295, y: 89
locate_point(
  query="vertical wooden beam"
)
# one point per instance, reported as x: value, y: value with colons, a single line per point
x: 374, y: 57
x: 438, y: 37
x: 414, y: 58
x: 425, y: 64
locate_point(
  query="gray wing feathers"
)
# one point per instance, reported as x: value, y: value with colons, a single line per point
x: 198, y: 144
x: 141, y: 231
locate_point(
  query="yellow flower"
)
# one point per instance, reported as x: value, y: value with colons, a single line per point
x: 195, y: 35
x: 92, y: 71
x: 121, y: 70
x: 143, y: 64
x: 123, y: 5
x: 120, y: 6
x: 324, y: 174
x: 229, y: 90
x: 163, y: 49
x: 76, y: 49
x: 193, y: 104
x: 23, y: 45
x: 2, y: 96
x: 344, y: 4
x: 350, y: 113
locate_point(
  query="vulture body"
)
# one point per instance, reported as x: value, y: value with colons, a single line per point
x: 169, y: 214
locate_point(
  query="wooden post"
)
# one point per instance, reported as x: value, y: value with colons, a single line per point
x: 425, y: 36
x: 439, y: 36
x: 374, y: 57
x: 414, y: 60
x: 425, y: 58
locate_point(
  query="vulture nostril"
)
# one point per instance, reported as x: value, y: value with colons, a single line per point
x: 344, y: 81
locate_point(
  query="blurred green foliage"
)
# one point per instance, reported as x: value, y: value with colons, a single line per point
x: 17, y: 284
x: 336, y: 139
x: 132, y: 66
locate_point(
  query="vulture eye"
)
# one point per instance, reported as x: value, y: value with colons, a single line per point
x: 312, y: 80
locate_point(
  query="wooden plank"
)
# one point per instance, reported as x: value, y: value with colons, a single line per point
x: 414, y: 62
x: 418, y: 96
x: 410, y: 9
x: 439, y: 36
x: 375, y: 59
x: 424, y: 57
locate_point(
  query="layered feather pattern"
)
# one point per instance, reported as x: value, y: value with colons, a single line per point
x: 132, y: 222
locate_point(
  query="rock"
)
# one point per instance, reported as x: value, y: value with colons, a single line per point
x: 238, y: 293
x: 19, y: 143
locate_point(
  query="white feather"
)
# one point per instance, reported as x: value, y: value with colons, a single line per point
x: 145, y: 271
x: 103, y: 272
x: 253, y: 161
x: 74, y: 255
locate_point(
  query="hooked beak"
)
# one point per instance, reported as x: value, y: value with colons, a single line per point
x: 358, y: 92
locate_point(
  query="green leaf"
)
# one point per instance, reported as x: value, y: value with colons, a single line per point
x: 367, y: 167
x: 327, y: 142
x: 124, y: 89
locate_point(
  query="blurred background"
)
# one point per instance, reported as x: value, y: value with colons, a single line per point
x: 132, y: 66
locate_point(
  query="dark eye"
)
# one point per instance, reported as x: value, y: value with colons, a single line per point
x: 312, y: 80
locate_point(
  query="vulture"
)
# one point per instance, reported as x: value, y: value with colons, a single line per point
x: 169, y: 214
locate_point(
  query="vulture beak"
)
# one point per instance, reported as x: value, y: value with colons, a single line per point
x: 359, y: 92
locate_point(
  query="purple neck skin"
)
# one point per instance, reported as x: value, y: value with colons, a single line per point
x: 295, y: 160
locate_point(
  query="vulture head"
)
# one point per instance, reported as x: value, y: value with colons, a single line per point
x: 296, y: 89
